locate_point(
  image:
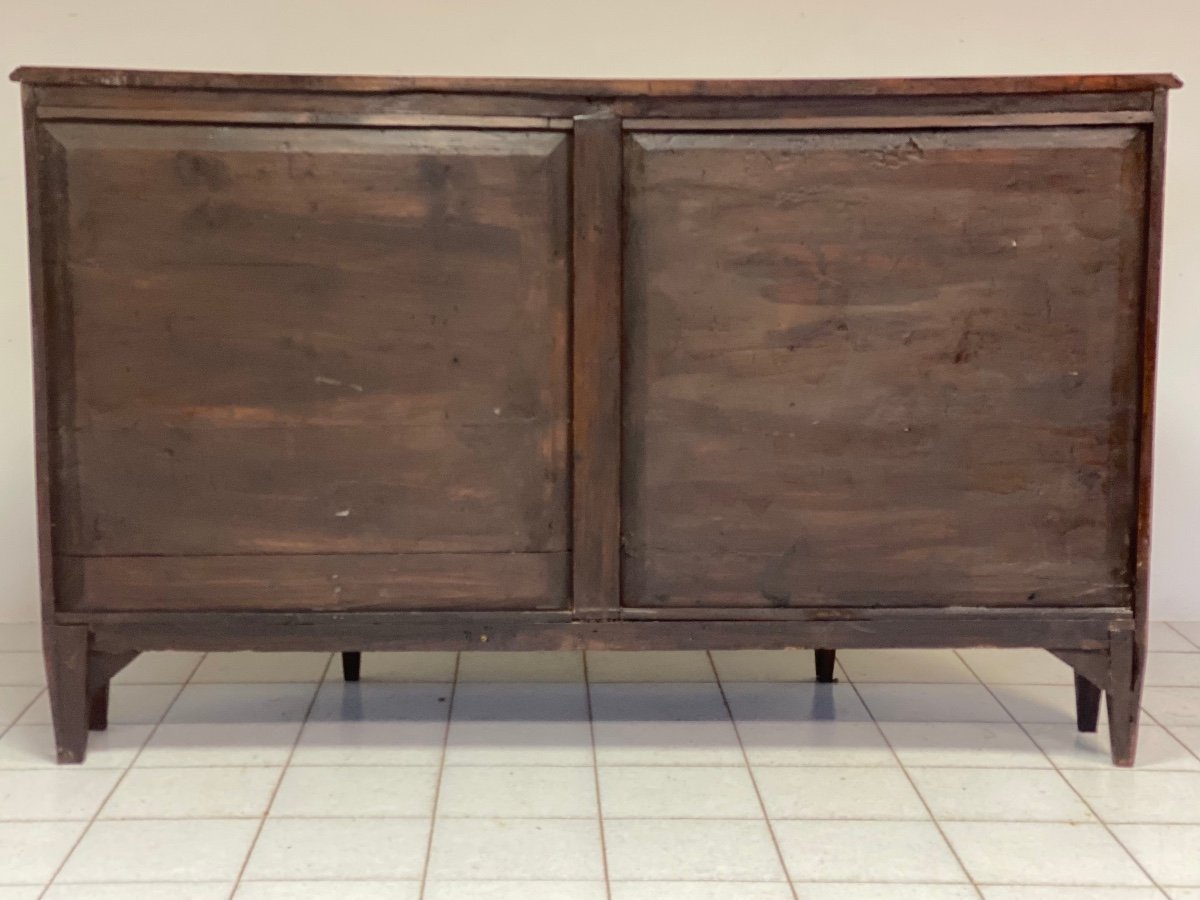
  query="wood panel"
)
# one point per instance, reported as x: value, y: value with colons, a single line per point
x: 331, y: 276
x: 444, y: 581
x: 369, y: 488
x: 293, y: 341
x: 881, y: 368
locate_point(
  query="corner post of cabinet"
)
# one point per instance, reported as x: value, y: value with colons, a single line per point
x: 40, y: 280
x: 1148, y: 353
x: 597, y: 186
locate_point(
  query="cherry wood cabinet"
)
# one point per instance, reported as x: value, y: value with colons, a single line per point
x: 351, y: 364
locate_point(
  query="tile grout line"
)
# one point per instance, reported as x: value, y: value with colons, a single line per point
x: 262, y: 820
x: 1099, y: 819
x: 5, y: 729
x: 655, y: 818
x: 762, y: 805
x: 1172, y: 627
x: 1187, y: 748
x: 913, y: 784
x: 24, y: 709
x: 1169, y: 729
x: 287, y: 765
x: 640, y: 765
x: 351, y: 880
x: 116, y: 784
x: 437, y: 790
x: 587, y: 690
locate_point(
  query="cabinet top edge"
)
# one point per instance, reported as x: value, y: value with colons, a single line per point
x: 621, y: 87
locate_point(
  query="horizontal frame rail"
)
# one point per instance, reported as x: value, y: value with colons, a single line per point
x: 1057, y: 628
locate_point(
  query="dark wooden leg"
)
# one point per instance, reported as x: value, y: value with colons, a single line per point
x: 66, y: 676
x: 825, y: 661
x: 351, y: 665
x: 1087, y: 703
x: 1124, y: 700
x: 98, y: 709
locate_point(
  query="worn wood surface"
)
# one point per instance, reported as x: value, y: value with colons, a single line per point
x: 361, y: 631
x: 881, y: 368
x: 346, y: 581
x: 289, y: 341
x: 1155, y: 174
x: 618, y: 87
x: 1091, y: 664
x: 365, y: 120
x: 556, y: 111
x: 887, y: 122
x: 596, y: 367
x: 343, y: 363
x: 43, y: 263
x: 1122, y: 694
x: 189, y: 490
x: 66, y: 651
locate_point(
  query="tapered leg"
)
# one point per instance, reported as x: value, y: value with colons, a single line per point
x: 1087, y: 703
x: 1124, y: 698
x: 66, y: 650
x: 98, y: 709
x: 351, y: 665
x: 825, y: 661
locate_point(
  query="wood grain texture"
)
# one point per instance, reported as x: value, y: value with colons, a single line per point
x: 352, y: 489
x: 342, y: 364
x: 889, y: 122
x: 1155, y: 175
x: 43, y: 268
x: 99, y: 101
x: 66, y: 649
x: 1052, y: 628
x: 881, y: 368
x: 596, y: 367
x: 312, y: 118
x: 341, y: 581
x: 595, y: 87
x: 1122, y: 694
x: 297, y: 341
x: 1148, y: 336
x: 993, y: 104
x: 324, y: 108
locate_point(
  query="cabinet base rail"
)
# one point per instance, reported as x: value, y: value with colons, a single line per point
x: 1103, y: 646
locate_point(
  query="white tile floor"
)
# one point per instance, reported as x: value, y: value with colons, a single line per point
x: 921, y: 775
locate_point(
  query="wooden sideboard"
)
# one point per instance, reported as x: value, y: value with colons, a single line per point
x: 353, y: 364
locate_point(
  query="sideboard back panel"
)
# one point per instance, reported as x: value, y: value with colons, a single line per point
x: 286, y: 341
x: 888, y: 368
x: 356, y: 364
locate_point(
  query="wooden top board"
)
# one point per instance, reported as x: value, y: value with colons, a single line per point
x: 619, y: 87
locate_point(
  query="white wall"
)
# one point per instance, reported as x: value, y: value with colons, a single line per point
x: 664, y: 38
